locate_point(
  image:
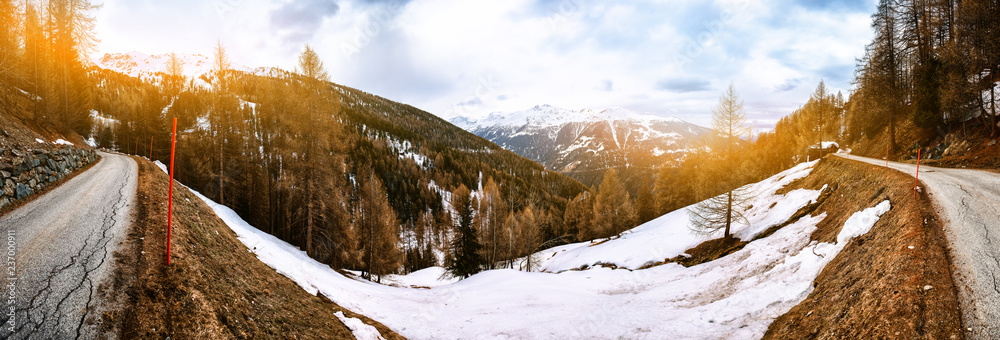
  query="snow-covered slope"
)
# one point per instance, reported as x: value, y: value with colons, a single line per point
x: 146, y: 66
x: 581, y: 143
x: 734, y: 297
x: 670, y: 235
x: 141, y: 65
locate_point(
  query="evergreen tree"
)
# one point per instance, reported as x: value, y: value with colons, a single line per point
x: 378, y: 228
x: 466, y: 258
x: 613, y: 209
x: 645, y: 203
x: 8, y: 42
x: 579, y: 216
x: 490, y: 214
x: 70, y: 29
x: 525, y: 224
x: 175, y: 75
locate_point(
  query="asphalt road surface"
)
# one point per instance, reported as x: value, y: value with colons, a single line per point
x: 969, y: 202
x: 62, y: 244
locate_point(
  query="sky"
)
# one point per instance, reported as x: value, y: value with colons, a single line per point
x: 471, y: 58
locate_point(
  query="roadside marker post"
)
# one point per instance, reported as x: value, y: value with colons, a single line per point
x: 886, y: 155
x: 150, y: 148
x: 170, y: 195
x: 916, y: 177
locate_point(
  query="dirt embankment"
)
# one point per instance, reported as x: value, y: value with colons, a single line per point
x: 893, y: 282
x: 214, y: 288
x: 970, y: 146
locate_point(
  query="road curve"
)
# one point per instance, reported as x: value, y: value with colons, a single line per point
x: 969, y: 203
x: 62, y: 244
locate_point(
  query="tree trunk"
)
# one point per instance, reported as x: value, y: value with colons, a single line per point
x: 993, y: 109
x: 309, y: 217
x: 729, y: 214
x: 892, y: 132
x: 222, y: 199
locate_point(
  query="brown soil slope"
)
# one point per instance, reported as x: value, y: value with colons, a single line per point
x: 214, y: 288
x: 893, y: 282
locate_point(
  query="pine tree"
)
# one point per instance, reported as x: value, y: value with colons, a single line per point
x: 821, y: 108
x: 490, y: 214
x: 722, y: 211
x: 8, y: 42
x: 613, y: 209
x: 578, y: 217
x: 378, y: 228
x: 70, y: 30
x: 10, y: 72
x: 175, y: 75
x: 319, y: 136
x: 645, y: 203
x: 466, y: 258
x: 36, y: 59
x: 527, y: 238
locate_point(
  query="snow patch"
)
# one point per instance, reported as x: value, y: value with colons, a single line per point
x: 361, y: 330
x: 61, y: 141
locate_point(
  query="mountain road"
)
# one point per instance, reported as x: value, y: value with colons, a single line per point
x: 969, y: 203
x: 58, y: 249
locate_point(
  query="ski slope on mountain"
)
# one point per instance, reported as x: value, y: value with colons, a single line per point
x: 734, y: 297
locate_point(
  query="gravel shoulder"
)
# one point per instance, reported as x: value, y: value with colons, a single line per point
x: 60, y: 246
x: 969, y: 203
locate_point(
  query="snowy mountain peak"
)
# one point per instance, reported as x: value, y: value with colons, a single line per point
x: 545, y: 115
x: 585, y: 143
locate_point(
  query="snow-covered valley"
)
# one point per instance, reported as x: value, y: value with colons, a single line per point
x: 734, y: 297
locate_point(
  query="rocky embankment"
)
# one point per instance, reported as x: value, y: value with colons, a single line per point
x: 22, y: 173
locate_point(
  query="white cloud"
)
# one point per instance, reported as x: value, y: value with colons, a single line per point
x: 510, y: 55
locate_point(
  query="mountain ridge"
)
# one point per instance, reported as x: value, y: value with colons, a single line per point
x: 585, y: 143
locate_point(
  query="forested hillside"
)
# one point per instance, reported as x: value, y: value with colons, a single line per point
x: 928, y: 79
x: 292, y: 154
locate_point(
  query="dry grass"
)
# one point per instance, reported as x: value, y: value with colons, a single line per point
x: 214, y: 288
x: 875, y: 288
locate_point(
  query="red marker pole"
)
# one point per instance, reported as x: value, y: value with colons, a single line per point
x: 886, y: 155
x: 150, y: 148
x: 170, y: 197
x: 917, y: 176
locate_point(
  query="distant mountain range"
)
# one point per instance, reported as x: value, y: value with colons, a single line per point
x: 585, y: 143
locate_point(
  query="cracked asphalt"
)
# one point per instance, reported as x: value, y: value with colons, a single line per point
x: 969, y: 203
x: 63, y: 243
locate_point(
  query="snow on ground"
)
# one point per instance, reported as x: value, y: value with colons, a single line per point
x: 734, y: 297
x: 100, y: 120
x: 670, y: 234
x: 61, y: 141
x: 427, y: 277
x: 361, y: 330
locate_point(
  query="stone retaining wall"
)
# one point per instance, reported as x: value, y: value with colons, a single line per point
x: 24, y: 173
